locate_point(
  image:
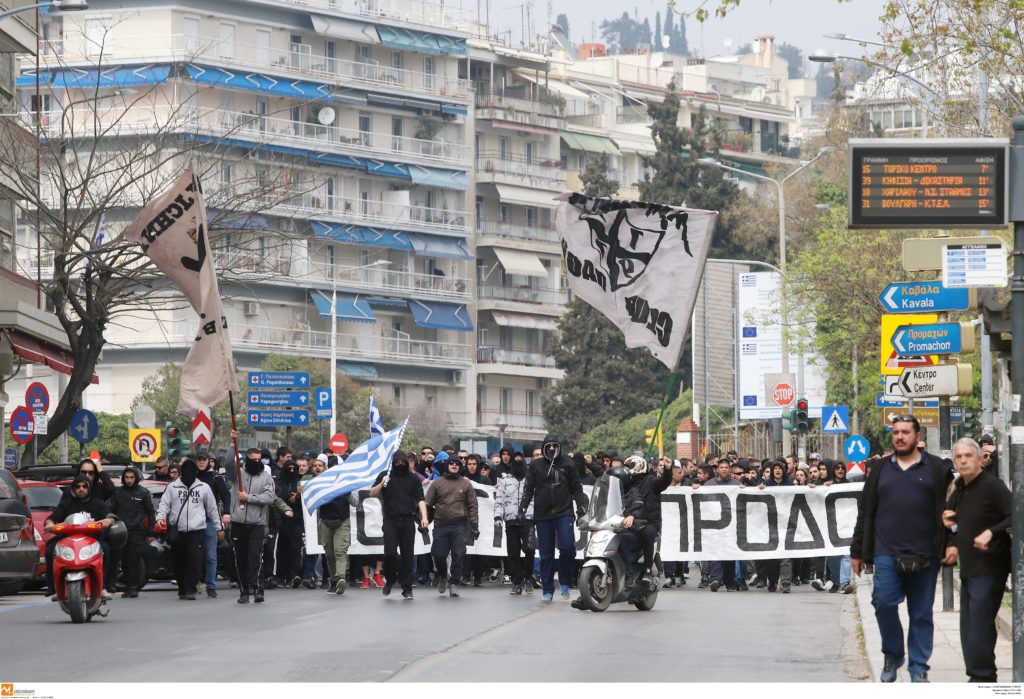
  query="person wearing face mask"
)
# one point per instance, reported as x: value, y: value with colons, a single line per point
x: 553, y: 484
x: 250, y: 506
x: 188, y: 505
x: 402, y: 504
x: 507, y: 497
x: 133, y: 505
x: 455, y: 511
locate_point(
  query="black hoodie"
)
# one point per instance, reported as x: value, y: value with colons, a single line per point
x: 553, y: 483
x: 69, y: 505
x: 133, y: 505
x: 219, y: 488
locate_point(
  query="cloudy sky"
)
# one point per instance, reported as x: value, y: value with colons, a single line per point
x: 799, y: 22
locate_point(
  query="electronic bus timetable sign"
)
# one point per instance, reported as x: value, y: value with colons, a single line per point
x: 928, y: 183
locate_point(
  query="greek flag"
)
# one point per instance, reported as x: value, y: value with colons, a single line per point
x: 376, y: 424
x: 101, y: 233
x: 357, y: 471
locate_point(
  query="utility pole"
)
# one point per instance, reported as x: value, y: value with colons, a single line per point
x: 1016, y: 203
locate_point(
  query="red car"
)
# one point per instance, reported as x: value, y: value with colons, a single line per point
x: 43, y: 498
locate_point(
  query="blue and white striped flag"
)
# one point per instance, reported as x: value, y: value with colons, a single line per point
x: 376, y: 424
x: 358, y: 471
x: 101, y: 233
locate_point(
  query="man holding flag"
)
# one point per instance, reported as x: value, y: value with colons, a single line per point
x: 401, y: 496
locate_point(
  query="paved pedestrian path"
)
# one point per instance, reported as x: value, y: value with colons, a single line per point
x: 947, y: 662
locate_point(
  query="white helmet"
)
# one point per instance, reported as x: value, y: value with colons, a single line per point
x: 636, y: 464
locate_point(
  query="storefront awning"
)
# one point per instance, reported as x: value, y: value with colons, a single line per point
x: 357, y: 370
x: 520, y: 320
x: 521, y: 262
x: 409, y: 40
x: 347, y: 307
x: 590, y: 143
x: 38, y: 352
x: 440, y: 316
x: 524, y: 196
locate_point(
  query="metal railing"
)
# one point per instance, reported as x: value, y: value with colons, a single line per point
x: 489, y: 354
x: 427, y: 14
x: 523, y: 294
x: 495, y: 105
x: 632, y: 114
x: 514, y: 419
x: 384, y: 279
x: 296, y: 58
x: 544, y: 234
x: 493, y: 162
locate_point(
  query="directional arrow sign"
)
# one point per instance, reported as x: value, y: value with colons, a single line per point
x: 881, y: 401
x: 278, y: 418
x: 278, y: 399
x: 927, y: 417
x: 84, y: 426
x: 937, y: 338
x: 279, y: 379
x: 943, y: 380
x: 916, y: 297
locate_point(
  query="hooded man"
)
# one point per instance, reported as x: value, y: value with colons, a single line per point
x: 455, y: 511
x: 133, y: 505
x: 401, y: 497
x: 553, y: 483
x: 507, y: 496
x: 249, y: 508
x: 188, y: 506
x: 81, y: 500
x: 222, y: 496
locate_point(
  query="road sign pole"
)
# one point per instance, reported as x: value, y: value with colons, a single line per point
x: 1017, y: 380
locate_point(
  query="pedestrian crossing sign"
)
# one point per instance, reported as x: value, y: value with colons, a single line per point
x: 835, y: 419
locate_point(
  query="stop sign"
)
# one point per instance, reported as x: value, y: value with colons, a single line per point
x: 783, y: 394
x: 339, y: 443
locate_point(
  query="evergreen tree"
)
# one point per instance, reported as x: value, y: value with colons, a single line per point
x: 658, y: 45
x: 669, y: 29
x: 596, y: 182
x: 677, y: 39
x: 563, y: 22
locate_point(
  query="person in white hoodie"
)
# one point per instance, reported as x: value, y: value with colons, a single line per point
x: 519, y: 539
x: 185, y: 508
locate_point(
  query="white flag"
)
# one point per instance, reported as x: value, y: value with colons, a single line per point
x: 639, y: 264
x: 173, y: 231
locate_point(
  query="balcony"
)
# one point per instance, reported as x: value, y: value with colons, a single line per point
x: 514, y: 419
x: 297, y: 59
x: 632, y: 114
x: 532, y: 115
x: 523, y: 294
x: 400, y: 282
x: 494, y: 166
x: 487, y: 354
x: 537, y: 233
x: 395, y: 348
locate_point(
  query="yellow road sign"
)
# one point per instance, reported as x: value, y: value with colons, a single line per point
x: 891, y: 364
x: 145, y: 444
x: 928, y: 417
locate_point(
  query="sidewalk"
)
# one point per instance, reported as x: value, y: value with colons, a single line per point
x: 947, y: 662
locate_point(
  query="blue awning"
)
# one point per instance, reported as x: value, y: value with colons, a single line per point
x: 357, y: 370
x: 378, y: 167
x: 348, y: 307
x: 345, y: 161
x: 251, y: 222
x: 382, y: 302
x: 439, y: 246
x: 437, y: 177
x: 361, y: 235
x: 440, y: 316
x: 455, y: 47
x: 257, y: 82
x: 87, y: 78
x: 451, y: 109
x: 421, y: 42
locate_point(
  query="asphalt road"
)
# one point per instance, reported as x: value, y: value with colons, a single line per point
x: 484, y: 636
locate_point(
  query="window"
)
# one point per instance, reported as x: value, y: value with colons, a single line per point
x: 396, y: 60
x: 531, y: 403
x: 263, y: 47
x: 296, y: 112
x: 190, y: 28
x: 505, y: 401
x: 225, y: 174
x: 227, y: 40
x: 480, y: 393
x: 364, y: 203
x: 396, y: 133
x: 429, y: 395
x: 531, y: 217
x: 331, y: 260
x: 503, y: 150
x: 366, y: 129
x: 428, y: 72
x: 301, y: 53
x: 529, y: 153
x: 261, y: 112
x: 97, y: 36
x: 503, y: 213
x: 331, y: 53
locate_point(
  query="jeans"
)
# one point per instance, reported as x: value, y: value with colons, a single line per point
x: 723, y: 572
x: 449, y: 538
x: 840, y: 570
x: 980, y: 597
x: 548, y: 531
x: 890, y: 588
x: 210, y: 554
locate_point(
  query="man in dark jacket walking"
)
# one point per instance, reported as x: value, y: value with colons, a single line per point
x: 455, y: 514
x: 133, y: 505
x: 553, y: 483
x: 401, y: 496
x: 899, y: 529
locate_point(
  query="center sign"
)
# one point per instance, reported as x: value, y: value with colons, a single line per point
x: 928, y: 183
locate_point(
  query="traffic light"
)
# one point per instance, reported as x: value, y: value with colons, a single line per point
x: 789, y: 420
x: 175, y: 444
x: 650, y: 438
x: 803, y: 423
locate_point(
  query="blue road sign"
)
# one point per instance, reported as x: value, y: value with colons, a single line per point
x: 278, y: 379
x: 882, y: 402
x: 37, y: 398
x: 84, y: 426
x: 923, y: 297
x: 835, y: 419
x: 856, y: 448
x: 324, y: 403
x: 936, y: 338
x: 278, y: 418
x: 259, y: 400
x: 956, y: 414
x: 10, y: 457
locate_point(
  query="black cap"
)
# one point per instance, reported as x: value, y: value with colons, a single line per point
x: 986, y: 439
x: 203, y: 454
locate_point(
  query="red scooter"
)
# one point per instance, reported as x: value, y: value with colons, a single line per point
x: 78, y: 567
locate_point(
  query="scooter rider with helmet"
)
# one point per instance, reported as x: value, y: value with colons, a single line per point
x: 642, y: 502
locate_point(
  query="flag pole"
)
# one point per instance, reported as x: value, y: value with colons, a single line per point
x: 234, y: 447
x: 666, y: 399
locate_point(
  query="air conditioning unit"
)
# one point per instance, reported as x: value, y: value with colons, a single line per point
x: 251, y: 308
x: 456, y: 377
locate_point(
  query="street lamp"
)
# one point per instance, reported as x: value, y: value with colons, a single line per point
x: 58, y: 5
x: 334, y: 333
x: 787, y: 438
x: 502, y: 425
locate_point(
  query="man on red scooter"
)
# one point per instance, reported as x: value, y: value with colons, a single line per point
x: 81, y: 501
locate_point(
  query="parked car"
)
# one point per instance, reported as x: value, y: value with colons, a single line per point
x: 43, y: 499
x: 18, y: 549
x: 53, y: 473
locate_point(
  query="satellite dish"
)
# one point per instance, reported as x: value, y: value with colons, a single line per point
x: 325, y: 116
x: 727, y: 44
